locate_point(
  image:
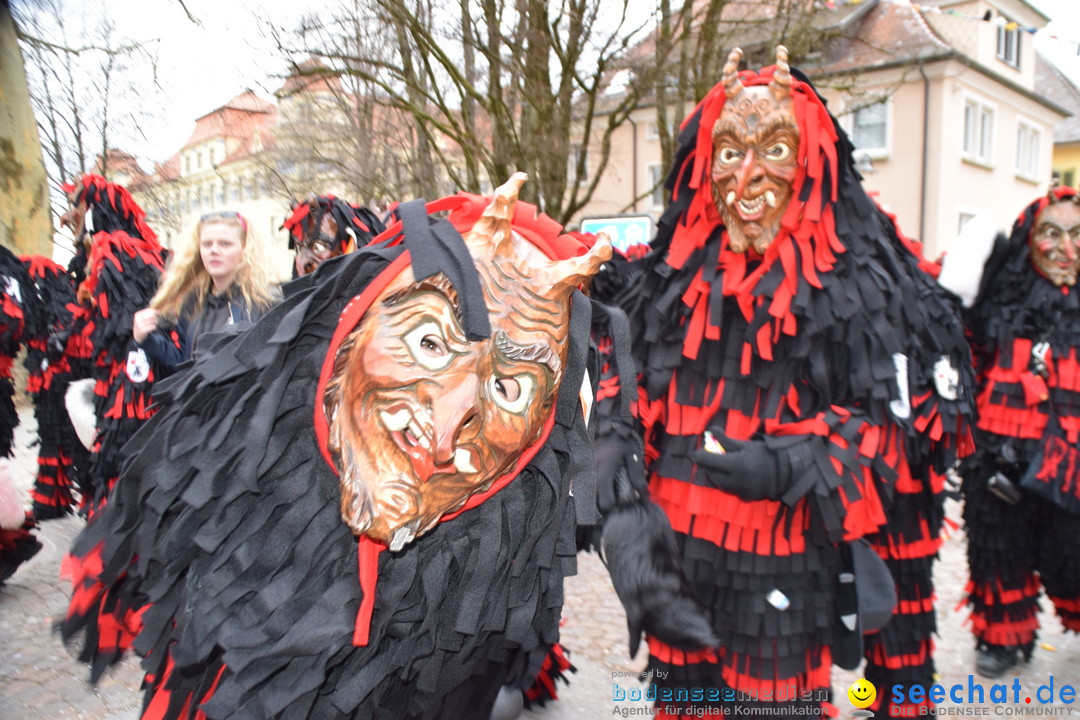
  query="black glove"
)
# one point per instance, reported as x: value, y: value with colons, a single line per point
x: 620, y: 469
x: 764, y: 469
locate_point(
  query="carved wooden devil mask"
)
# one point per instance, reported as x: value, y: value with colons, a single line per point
x: 755, y: 155
x: 420, y: 417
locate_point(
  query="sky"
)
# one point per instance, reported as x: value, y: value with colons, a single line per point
x: 1060, y: 39
x: 203, y: 64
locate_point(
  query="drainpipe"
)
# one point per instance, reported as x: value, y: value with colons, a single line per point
x: 633, y: 161
x: 925, y: 153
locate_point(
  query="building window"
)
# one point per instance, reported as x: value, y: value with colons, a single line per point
x: 187, y: 164
x: 870, y: 127
x: 654, y: 178
x: 1008, y: 43
x: 978, y: 131
x: 219, y: 195
x: 1027, y: 151
x: 1068, y: 177
x: 234, y: 191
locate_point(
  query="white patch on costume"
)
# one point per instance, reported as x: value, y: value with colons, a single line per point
x: 778, y: 599
x: 138, y: 367
x: 901, y: 406
x: 586, y: 396
x: 11, y: 287
x: 946, y: 378
x: 711, y: 444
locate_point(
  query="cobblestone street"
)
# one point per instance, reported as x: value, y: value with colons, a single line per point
x: 41, y: 680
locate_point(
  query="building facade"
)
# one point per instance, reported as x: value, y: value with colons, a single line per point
x: 941, y: 98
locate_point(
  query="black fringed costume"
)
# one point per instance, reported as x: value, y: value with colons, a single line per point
x: 1013, y: 549
x: 820, y: 353
x: 17, y: 322
x: 62, y: 460
x: 223, y: 547
x: 124, y: 265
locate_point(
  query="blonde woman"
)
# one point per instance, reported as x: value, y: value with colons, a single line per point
x: 219, y: 278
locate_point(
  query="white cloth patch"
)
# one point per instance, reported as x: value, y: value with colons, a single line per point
x: 901, y: 406
x: 778, y: 599
x: 11, y: 287
x: 138, y: 367
x: 946, y: 378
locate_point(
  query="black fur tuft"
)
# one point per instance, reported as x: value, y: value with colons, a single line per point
x: 638, y: 546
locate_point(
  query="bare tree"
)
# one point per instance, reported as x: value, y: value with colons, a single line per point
x: 81, y: 75
x: 333, y: 132
x: 491, y: 86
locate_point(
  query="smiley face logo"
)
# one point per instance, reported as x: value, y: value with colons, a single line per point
x: 862, y: 693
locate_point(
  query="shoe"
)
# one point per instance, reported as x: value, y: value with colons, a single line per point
x: 993, y: 660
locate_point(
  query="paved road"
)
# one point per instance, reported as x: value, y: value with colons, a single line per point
x: 41, y: 680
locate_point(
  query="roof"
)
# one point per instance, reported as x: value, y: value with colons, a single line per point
x: 895, y: 33
x: 1057, y: 87
x: 311, y: 75
x: 245, y: 123
x: 887, y: 33
x: 116, y: 162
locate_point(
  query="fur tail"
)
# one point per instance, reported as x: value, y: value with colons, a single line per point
x: 638, y: 547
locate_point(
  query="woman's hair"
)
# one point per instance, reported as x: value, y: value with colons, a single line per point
x: 187, y: 281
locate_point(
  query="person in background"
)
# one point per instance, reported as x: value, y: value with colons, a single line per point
x: 219, y: 278
x: 1024, y: 325
x: 120, y: 263
x: 63, y: 460
x: 324, y: 227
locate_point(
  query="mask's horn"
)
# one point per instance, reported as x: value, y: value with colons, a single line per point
x: 732, y: 84
x: 781, y: 79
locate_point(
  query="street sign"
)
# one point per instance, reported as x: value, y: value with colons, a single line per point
x: 622, y: 230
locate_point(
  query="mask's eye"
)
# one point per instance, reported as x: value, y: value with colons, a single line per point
x: 428, y: 346
x: 729, y: 155
x: 512, y: 393
x: 778, y: 152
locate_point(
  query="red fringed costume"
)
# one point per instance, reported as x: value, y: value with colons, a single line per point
x: 817, y: 357
x: 63, y: 461
x: 124, y: 265
x: 1013, y: 549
